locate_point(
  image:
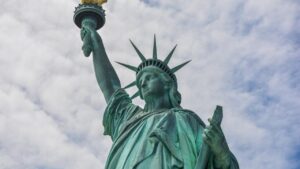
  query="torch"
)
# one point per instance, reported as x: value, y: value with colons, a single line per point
x: 89, y: 11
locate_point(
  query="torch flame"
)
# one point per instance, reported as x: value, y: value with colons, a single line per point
x: 97, y: 2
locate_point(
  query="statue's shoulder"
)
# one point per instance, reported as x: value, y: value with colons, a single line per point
x: 189, y: 114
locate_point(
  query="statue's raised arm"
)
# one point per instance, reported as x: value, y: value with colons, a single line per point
x: 105, y: 73
x: 90, y: 16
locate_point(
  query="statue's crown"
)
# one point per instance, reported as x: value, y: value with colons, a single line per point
x: 154, y: 61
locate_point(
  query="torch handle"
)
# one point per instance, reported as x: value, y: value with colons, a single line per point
x: 89, y: 23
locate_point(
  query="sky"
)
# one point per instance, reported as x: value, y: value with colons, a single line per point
x: 245, y: 56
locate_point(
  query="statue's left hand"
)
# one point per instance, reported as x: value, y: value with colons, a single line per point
x: 87, y: 43
x: 90, y: 38
x: 213, y: 136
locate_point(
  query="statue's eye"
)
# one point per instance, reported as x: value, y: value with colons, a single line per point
x: 152, y: 75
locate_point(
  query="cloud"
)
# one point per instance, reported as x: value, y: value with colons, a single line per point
x: 245, y: 57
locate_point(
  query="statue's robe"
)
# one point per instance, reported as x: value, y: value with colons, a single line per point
x: 167, y: 139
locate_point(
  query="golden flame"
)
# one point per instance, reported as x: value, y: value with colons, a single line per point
x: 97, y: 2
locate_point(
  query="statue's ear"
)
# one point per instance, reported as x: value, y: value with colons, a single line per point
x: 168, y: 85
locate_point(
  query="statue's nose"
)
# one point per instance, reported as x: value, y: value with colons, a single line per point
x: 143, y: 84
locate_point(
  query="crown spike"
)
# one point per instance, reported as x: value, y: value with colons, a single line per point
x: 130, y: 85
x: 175, y: 69
x: 135, y: 95
x: 142, y: 57
x: 154, y: 49
x: 128, y: 66
x: 166, y: 61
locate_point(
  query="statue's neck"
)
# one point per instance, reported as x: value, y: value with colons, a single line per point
x: 156, y: 104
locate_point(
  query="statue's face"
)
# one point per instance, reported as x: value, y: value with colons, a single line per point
x: 151, y: 84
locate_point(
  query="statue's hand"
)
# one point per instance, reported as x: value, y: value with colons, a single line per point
x: 87, y: 44
x: 90, y: 39
x: 213, y: 136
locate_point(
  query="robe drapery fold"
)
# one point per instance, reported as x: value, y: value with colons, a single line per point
x: 166, y: 139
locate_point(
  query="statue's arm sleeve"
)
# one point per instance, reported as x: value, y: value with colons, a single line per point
x: 119, y: 109
x: 106, y: 75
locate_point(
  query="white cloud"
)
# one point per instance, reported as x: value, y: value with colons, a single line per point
x: 245, y: 57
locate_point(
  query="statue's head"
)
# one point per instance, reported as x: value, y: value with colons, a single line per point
x: 155, y: 79
x: 153, y: 83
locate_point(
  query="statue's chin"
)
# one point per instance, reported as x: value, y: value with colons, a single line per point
x: 148, y: 95
x: 151, y: 98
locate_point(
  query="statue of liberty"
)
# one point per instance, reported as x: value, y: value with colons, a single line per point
x: 162, y: 135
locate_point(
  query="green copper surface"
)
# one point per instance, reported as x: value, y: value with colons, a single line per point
x: 89, y: 10
x: 162, y: 135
